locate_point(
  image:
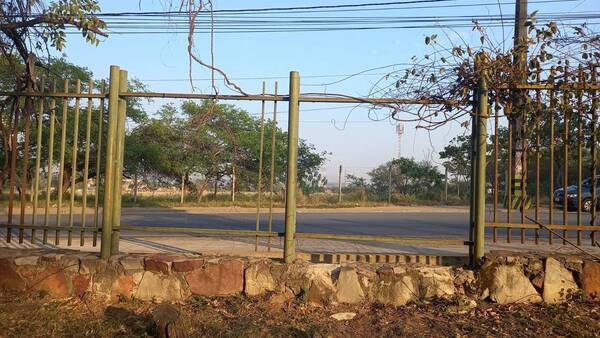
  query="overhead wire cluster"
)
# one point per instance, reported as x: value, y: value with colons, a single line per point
x: 342, y: 17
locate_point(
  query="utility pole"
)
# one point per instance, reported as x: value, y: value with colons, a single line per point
x: 340, y: 185
x: 516, y: 121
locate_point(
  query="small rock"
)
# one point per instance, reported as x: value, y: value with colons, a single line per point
x: 159, y: 263
x: 507, y: 284
x: 169, y: 322
x: 51, y: 257
x: 9, y: 278
x: 343, y: 315
x: 70, y: 263
x: 436, y: 281
x: 348, y: 286
x: 484, y: 294
x: 258, y: 279
x: 131, y: 264
x: 187, y: 265
x: 558, y: 282
x: 155, y: 286
x: 590, y: 279
x: 27, y: 260
x: 217, y: 279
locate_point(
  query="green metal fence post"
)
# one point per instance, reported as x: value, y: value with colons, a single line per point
x: 289, y: 248
x: 482, y: 116
x: 113, y: 112
x: 118, y: 165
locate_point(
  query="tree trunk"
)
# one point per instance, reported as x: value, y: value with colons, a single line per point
x: 135, y: 186
x: 200, y: 190
x: 182, y: 189
x: 233, y: 183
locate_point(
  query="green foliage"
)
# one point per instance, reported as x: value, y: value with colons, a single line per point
x: 204, y: 143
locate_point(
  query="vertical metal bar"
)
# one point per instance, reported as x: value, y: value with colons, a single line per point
x: 509, y: 195
x: 13, y: 167
x: 260, y: 164
x: 74, y: 160
x: 113, y: 112
x: 538, y: 108
x: 473, y: 158
x: 593, y: 150
x: 565, y: 105
x: 579, y: 151
x: 289, y: 248
x: 27, y: 112
x: 551, y: 163
x: 50, y: 163
x: 118, y: 165
x: 86, y: 163
x: 97, y: 181
x: 38, y: 155
x: 524, y: 168
x: 61, y: 172
x: 481, y: 164
x: 272, y: 173
x: 496, y: 149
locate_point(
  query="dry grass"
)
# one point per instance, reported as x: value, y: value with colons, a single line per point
x: 36, y: 316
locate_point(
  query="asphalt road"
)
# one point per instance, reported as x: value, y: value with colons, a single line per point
x: 452, y: 224
x: 371, y: 223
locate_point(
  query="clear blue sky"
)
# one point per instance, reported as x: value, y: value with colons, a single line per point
x: 161, y: 61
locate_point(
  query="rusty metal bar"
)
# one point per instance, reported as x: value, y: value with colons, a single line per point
x: 496, y: 149
x: 28, y: 105
x: 524, y: 176
x: 50, y: 164
x: 565, y: 105
x: 538, y: 107
x: 260, y: 163
x: 61, y: 170
x: 509, y: 195
x: 74, y: 160
x: 579, y: 151
x: 551, y: 226
x: 272, y: 174
x: 97, y: 181
x: 86, y: 163
x: 13, y: 166
x: 594, y: 151
x: 551, y: 163
x: 38, y: 155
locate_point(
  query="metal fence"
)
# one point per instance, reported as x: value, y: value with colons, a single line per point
x: 109, y: 152
x: 54, y: 138
x: 544, y: 181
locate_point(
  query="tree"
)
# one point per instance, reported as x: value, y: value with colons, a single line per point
x: 28, y: 28
x: 202, y: 143
x: 457, y: 159
x: 409, y: 177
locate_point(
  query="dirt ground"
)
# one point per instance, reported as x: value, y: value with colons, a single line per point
x: 36, y: 316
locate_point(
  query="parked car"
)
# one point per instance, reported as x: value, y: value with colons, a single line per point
x: 572, y: 195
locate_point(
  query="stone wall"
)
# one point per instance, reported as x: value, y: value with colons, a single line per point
x: 504, y: 278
